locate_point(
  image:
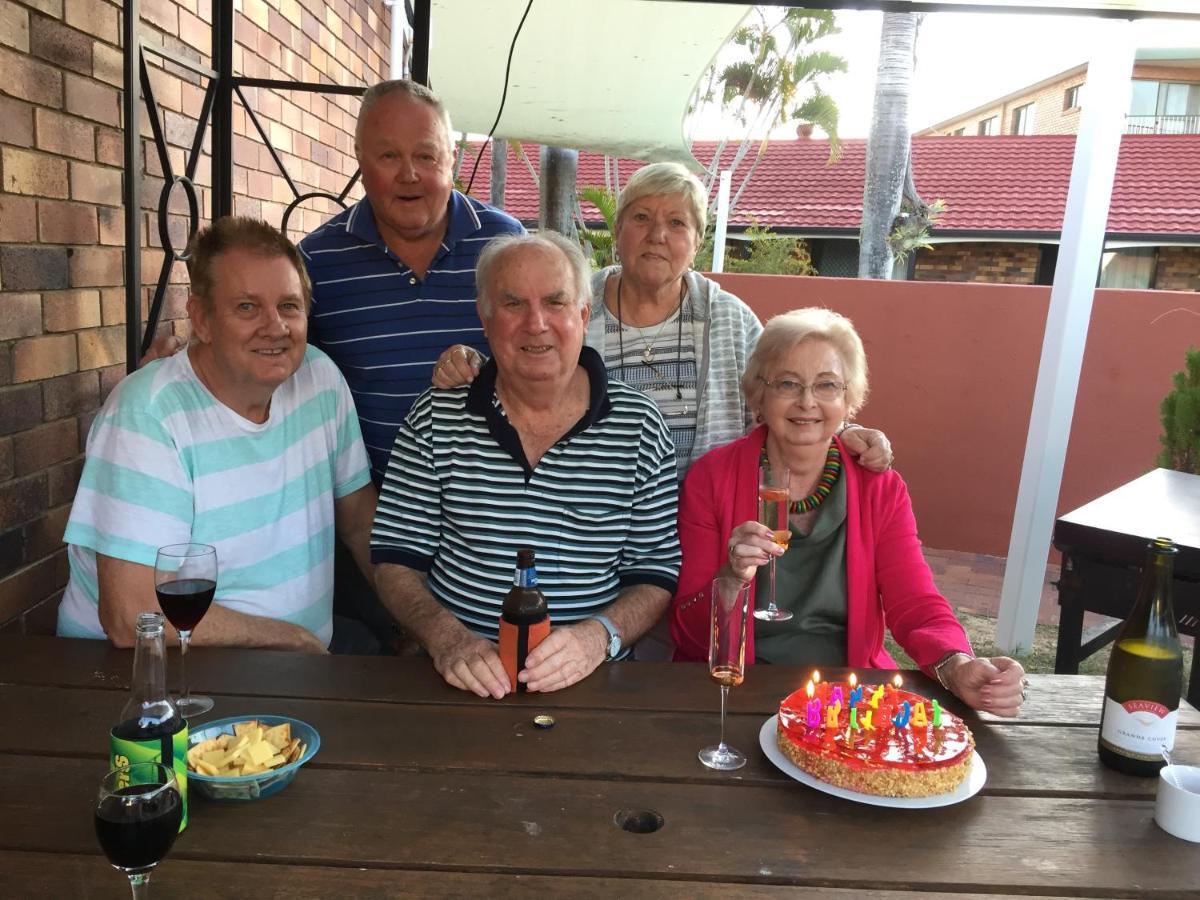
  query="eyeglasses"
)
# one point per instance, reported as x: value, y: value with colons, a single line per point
x: 824, y: 390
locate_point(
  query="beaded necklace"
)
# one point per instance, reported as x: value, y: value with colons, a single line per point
x: 825, y: 482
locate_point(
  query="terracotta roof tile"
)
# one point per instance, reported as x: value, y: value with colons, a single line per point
x: 991, y: 185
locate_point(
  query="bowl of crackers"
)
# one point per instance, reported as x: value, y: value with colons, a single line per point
x: 248, y: 757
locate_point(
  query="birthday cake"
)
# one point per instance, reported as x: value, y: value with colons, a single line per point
x: 875, y: 739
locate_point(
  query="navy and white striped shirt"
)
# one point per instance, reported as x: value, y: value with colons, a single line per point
x: 599, y: 509
x: 384, y: 326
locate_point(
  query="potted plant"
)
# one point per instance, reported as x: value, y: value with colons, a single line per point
x: 1181, y: 419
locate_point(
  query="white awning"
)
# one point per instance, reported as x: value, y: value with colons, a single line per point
x: 611, y: 76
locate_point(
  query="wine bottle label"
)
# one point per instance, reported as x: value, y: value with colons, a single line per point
x: 1139, y: 729
x: 170, y: 750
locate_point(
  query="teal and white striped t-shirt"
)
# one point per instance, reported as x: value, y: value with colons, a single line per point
x: 168, y: 463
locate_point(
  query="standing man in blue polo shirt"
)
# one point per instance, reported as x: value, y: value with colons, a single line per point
x: 393, y: 281
x: 394, y: 275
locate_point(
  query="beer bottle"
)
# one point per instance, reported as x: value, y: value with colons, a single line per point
x: 524, y: 618
x: 1145, y: 674
x: 150, y: 728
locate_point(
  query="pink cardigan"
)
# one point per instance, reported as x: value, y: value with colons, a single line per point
x: 887, y: 578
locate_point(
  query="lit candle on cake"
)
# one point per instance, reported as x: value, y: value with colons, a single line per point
x: 831, y: 717
x: 812, y: 709
x: 901, y: 719
x: 876, y: 696
x: 836, y: 698
x: 937, y: 714
x: 918, y: 717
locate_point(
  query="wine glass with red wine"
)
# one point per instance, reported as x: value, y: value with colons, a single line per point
x: 185, y: 579
x: 727, y: 659
x: 137, y: 818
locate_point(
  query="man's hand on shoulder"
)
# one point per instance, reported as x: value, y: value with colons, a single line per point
x: 164, y: 345
x: 869, y: 446
x: 469, y: 662
x: 567, y: 655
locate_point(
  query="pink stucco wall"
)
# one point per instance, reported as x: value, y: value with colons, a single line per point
x: 953, y: 369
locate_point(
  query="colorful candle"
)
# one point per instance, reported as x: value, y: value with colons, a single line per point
x: 856, y: 694
x: 937, y: 714
x: 813, y: 713
x: 902, y: 717
x: 866, y: 719
x: 918, y: 716
x: 854, y: 718
x: 837, y: 697
x: 876, y: 697
x: 831, y: 716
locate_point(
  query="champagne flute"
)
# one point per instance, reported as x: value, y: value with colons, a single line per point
x: 774, y: 498
x: 185, y: 579
x: 137, y: 815
x: 727, y: 659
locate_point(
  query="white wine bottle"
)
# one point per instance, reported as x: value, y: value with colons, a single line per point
x: 1145, y: 674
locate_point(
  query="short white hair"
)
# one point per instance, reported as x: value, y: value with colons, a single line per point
x: 499, y: 249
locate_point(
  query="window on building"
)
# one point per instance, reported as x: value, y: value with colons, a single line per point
x: 1022, y: 119
x: 988, y: 125
x: 1164, y: 107
x: 959, y: 132
x: 1071, y: 97
x: 1130, y: 267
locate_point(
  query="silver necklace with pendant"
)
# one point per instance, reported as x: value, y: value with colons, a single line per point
x: 648, y: 352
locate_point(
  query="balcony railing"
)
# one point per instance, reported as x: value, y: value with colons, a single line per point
x: 1162, y: 124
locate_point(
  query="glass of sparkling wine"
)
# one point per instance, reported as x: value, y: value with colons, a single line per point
x: 773, y: 501
x: 185, y: 580
x: 727, y: 658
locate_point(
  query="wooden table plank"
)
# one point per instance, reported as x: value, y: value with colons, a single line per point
x: 90, y: 878
x: 666, y: 687
x: 767, y: 835
x: 589, y: 744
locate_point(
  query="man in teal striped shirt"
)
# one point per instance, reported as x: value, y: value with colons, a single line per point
x: 249, y: 441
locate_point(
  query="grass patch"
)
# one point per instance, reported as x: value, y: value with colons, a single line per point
x: 982, y: 632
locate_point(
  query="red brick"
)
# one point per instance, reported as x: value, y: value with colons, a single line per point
x: 21, y: 500
x: 20, y: 316
x: 92, y: 100
x: 59, y: 45
x: 20, y: 408
x: 6, y: 459
x: 44, y: 535
x: 108, y: 64
x: 67, y: 223
x: 14, y: 27
x: 5, y: 364
x: 96, y: 267
x: 44, y: 357
x: 112, y: 306
x: 18, y: 219
x: 95, y: 184
x: 112, y: 225
x: 71, y: 310
x: 18, y: 122
x: 101, y: 347
x: 65, y: 135
x: 28, y: 587
x: 70, y: 395
x: 26, y: 172
x: 110, y: 147
x: 40, y: 448
x: 62, y: 480
x: 33, y: 268
x: 28, y: 79
x: 52, y: 8
x: 96, y: 17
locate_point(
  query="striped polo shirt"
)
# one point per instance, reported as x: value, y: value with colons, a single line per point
x: 168, y: 463
x: 384, y: 326
x: 599, y: 509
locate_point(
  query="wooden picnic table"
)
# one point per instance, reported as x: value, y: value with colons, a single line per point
x: 423, y: 790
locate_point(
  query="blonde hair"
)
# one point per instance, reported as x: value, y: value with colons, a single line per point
x: 665, y: 178
x: 785, y: 331
x: 239, y: 233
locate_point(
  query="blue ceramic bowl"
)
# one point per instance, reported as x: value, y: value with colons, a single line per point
x: 262, y: 784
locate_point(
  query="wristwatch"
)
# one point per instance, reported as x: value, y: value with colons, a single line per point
x: 614, y: 637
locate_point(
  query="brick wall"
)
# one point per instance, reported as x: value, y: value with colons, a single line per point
x: 994, y: 262
x: 62, y: 299
x: 1178, y: 269
x: 1049, y: 115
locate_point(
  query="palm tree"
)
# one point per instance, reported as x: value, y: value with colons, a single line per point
x: 889, y: 178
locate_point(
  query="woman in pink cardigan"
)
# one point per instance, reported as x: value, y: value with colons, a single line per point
x: 853, y: 566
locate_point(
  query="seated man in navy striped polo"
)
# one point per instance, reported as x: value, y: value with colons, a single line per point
x: 540, y: 451
x: 247, y: 441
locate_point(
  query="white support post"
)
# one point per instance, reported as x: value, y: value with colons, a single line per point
x: 1096, y: 147
x: 718, y: 263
